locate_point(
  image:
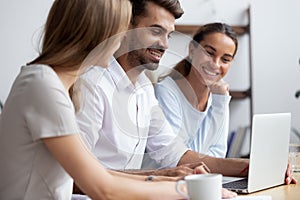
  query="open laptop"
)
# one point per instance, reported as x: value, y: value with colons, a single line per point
x: 268, y: 154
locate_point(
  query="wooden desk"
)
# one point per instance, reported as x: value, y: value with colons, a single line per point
x: 283, y: 192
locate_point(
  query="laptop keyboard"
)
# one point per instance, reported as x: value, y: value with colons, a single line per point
x: 240, y: 184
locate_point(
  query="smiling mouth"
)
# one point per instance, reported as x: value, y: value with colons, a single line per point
x: 210, y: 73
x: 156, y: 54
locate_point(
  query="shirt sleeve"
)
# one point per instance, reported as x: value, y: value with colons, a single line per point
x: 171, y: 107
x: 218, y: 122
x: 90, y: 114
x: 49, y: 111
x: 165, y: 147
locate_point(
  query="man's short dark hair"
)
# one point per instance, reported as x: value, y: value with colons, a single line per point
x: 139, y: 8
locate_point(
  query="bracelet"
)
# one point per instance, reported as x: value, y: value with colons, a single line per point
x: 150, y: 178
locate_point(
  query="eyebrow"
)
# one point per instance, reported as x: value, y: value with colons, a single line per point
x: 226, y: 54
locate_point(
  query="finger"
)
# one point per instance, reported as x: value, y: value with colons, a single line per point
x: 206, y: 168
x: 166, y: 178
x: 290, y: 180
x: 226, y: 194
x: 173, y: 172
x: 294, y: 181
x: 194, y: 164
x: 288, y: 170
x: 219, y: 88
x: 185, y: 172
x: 201, y: 164
x: 200, y: 170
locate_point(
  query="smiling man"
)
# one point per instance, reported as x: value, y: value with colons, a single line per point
x: 148, y: 38
x: 119, y: 116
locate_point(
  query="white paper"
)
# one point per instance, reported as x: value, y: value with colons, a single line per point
x: 80, y: 197
x: 252, y: 198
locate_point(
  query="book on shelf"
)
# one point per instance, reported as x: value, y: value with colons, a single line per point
x: 239, y: 143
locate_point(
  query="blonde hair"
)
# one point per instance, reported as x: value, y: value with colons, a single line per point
x: 74, y: 28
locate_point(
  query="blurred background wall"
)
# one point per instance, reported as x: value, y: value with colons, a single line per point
x: 275, y: 34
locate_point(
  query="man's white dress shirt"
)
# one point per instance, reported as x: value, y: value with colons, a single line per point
x: 120, y: 121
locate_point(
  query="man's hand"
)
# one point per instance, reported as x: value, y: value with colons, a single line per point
x: 200, y: 168
x: 183, y: 170
x: 288, y: 175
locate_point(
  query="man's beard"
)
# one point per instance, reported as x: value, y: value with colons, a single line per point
x: 136, y: 59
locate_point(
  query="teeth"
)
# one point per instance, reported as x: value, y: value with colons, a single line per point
x: 210, y: 73
x: 155, y: 53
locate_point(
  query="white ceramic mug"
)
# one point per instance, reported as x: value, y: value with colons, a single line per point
x: 201, y: 187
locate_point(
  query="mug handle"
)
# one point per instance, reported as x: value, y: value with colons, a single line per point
x: 178, y: 188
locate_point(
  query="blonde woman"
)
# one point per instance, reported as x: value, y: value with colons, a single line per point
x: 41, y: 151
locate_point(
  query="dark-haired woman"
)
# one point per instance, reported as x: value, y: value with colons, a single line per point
x: 194, y: 97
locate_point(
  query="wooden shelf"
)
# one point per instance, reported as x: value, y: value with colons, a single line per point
x: 190, y: 29
x: 241, y: 94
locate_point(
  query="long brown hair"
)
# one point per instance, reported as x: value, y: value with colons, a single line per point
x: 74, y: 28
x: 184, y: 66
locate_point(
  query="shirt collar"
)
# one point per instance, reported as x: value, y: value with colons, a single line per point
x: 121, y: 79
x: 118, y: 75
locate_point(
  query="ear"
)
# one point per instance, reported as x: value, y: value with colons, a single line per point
x: 191, y: 51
